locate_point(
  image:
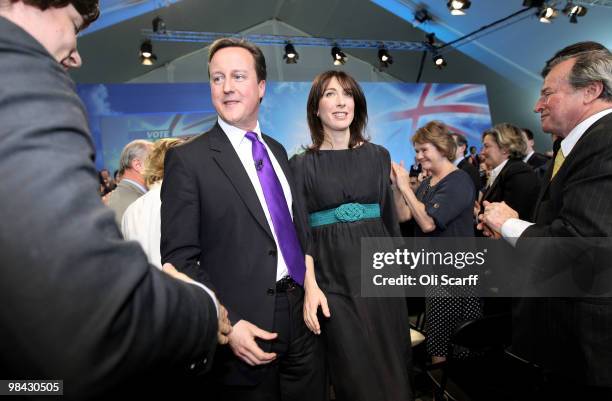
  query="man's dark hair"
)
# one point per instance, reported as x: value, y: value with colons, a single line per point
x: 460, y: 141
x: 258, y: 57
x: 528, y: 133
x: 88, y: 9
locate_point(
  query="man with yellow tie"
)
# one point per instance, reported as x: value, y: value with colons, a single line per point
x: 569, y: 337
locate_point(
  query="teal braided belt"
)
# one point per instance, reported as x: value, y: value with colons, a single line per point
x: 345, y: 213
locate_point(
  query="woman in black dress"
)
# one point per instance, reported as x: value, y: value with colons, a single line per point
x: 344, y: 182
x: 441, y: 207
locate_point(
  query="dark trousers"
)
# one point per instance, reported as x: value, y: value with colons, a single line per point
x: 298, y: 372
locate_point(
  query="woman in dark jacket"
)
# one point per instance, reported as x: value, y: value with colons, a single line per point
x: 511, y: 180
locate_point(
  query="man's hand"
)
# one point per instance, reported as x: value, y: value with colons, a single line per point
x: 242, y: 342
x: 225, y: 327
x: 171, y: 270
x: 494, y: 216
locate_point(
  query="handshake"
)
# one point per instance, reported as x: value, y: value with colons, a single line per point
x: 225, y: 327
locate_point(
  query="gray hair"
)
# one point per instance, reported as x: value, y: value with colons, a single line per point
x: 137, y: 149
x: 593, y: 64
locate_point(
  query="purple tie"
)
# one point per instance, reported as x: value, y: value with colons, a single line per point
x: 279, y: 212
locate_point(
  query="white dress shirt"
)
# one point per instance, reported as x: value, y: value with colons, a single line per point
x: 528, y: 156
x: 495, y: 172
x: 243, y: 147
x: 142, y: 222
x: 512, y: 229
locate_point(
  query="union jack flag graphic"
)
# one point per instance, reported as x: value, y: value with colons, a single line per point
x: 463, y: 108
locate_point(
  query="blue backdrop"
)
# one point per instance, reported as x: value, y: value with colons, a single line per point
x: 119, y: 113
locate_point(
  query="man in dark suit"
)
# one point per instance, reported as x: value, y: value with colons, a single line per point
x: 462, y: 160
x: 78, y: 303
x: 226, y: 221
x: 536, y: 160
x: 569, y: 336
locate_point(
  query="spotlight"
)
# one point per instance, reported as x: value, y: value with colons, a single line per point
x: 546, y: 14
x: 384, y: 57
x: 338, y: 56
x: 431, y: 38
x: 148, y: 60
x: 146, y: 53
x: 573, y: 11
x: 458, y: 7
x: 291, y: 56
x: 422, y: 15
x: 159, y: 25
x: 439, y: 61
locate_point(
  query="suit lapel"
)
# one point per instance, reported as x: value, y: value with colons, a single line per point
x: 229, y: 162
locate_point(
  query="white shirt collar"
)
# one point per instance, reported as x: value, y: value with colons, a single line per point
x: 528, y: 156
x: 457, y: 161
x: 235, y: 134
x: 568, y: 143
x: 495, y: 172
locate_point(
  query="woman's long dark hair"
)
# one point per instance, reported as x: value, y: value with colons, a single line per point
x: 360, y: 117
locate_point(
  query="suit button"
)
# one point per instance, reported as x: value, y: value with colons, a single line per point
x: 270, y: 291
x: 272, y: 252
x: 192, y: 366
x: 205, y: 361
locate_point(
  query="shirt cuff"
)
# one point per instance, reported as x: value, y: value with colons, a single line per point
x: 212, y: 295
x: 512, y: 229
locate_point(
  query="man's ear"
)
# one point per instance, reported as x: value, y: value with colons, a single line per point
x: 592, y: 91
x: 137, y: 165
x: 261, y: 87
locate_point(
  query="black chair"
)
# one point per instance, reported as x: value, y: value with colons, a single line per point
x: 487, y: 373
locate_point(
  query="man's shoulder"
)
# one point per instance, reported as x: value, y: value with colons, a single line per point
x: 198, y: 143
x: 124, y: 190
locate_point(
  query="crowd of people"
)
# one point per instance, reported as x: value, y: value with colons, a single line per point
x: 243, y: 281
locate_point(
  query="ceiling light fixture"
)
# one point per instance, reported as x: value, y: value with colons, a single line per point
x: 147, y: 57
x: 573, y: 11
x: 458, y: 7
x: 159, y: 25
x: 439, y: 61
x: 547, y: 14
x: 384, y: 57
x: 338, y: 56
x: 291, y: 56
x: 422, y: 15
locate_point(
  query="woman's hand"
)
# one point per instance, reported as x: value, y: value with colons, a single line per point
x: 476, y: 209
x: 400, y: 176
x: 313, y: 298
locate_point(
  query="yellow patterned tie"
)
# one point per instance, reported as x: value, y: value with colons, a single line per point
x: 559, y: 159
